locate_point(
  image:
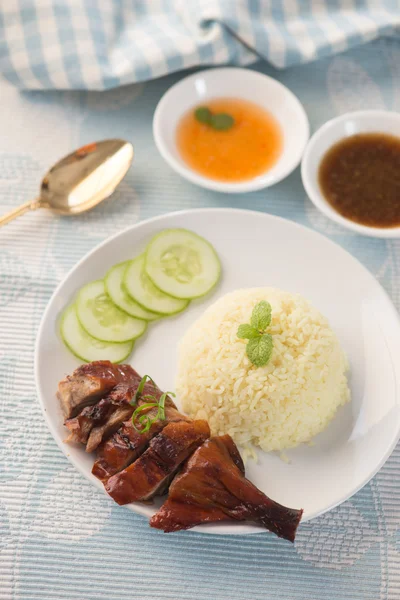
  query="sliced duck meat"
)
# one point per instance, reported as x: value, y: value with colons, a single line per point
x: 111, y: 425
x: 90, y: 382
x: 95, y: 422
x: 212, y: 487
x: 125, y: 446
x: 81, y: 425
x: 152, y: 471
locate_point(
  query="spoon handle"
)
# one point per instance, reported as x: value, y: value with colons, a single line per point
x: 30, y: 205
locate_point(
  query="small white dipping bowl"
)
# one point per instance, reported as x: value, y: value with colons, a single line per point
x: 364, y: 121
x: 232, y: 83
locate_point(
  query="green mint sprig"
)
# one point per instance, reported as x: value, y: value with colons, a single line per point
x: 260, y: 345
x: 218, y: 121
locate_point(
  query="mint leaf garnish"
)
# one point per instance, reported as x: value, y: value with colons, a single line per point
x: 260, y: 345
x: 222, y: 121
x: 203, y: 114
x: 247, y: 332
x: 259, y: 350
x: 219, y: 121
x: 261, y: 316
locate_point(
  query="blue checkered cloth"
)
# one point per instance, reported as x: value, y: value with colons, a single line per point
x: 101, y: 44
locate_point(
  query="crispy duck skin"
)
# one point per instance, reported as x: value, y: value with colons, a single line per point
x: 152, y: 471
x: 212, y: 488
x: 127, y: 444
x: 91, y: 382
x: 123, y: 448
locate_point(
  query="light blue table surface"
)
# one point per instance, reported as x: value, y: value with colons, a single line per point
x: 59, y: 537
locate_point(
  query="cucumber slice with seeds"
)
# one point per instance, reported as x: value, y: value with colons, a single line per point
x: 182, y: 264
x: 116, y: 291
x: 84, y: 346
x: 104, y: 321
x: 140, y: 287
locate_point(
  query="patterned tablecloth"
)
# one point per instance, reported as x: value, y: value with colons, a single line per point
x: 96, y: 45
x: 59, y: 537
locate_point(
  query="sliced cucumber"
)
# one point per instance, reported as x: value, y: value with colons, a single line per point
x: 117, y: 293
x: 182, y: 264
x: 102, y: 319
x: 141, y: 288
x: 87, y: 348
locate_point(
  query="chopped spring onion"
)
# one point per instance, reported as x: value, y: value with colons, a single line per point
x: 144, y: 419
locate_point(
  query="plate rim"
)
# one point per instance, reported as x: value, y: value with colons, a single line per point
x: 245, y: 528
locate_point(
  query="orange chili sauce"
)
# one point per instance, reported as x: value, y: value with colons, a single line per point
x: 249, y: 148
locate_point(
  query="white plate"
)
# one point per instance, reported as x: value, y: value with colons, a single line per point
x: 232, y: 82
x: 260, y: 250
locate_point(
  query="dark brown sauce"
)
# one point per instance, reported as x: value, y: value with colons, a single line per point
x: 360, y: 178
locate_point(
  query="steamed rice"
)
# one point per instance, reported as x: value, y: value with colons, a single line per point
x: 278, y: 406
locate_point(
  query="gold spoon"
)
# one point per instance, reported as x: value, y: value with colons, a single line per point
x: 80, y: 180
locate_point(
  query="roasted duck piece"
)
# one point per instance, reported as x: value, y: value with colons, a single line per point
x: 112, y: 424
x: 92, y: 417
x: 212, y: 487
x: 127, y: 444
x: 122, y: 448
x: 97, y: 422
x: 151, y: 473
x: 138, y: 461
x: 91, y: 382
x: 81, y: 425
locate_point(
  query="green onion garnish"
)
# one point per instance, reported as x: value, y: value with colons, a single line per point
x: 144, y: 419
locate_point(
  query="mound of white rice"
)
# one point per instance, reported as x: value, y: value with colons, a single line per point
x: 278, y: 406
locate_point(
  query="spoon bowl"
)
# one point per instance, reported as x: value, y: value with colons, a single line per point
x: 81, y: 180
